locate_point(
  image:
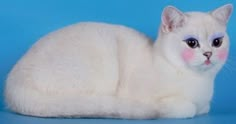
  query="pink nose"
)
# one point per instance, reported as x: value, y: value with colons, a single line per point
x: 208, y: 54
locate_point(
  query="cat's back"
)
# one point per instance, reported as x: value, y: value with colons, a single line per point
x: 92, y: 36
x: 82, y: 57
x: 87, y: 30
x: 87, y: 41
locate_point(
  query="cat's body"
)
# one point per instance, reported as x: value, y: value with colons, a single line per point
x: 103, y: 70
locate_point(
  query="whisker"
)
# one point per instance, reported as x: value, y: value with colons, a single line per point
x: 231, y: 64
x: 225, y: 73
x: 228, y: 69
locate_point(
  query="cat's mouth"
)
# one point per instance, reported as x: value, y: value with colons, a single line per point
x: 207, y: 62
x: 206, y: 65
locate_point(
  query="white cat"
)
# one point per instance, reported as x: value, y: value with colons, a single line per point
x: 103, y: 70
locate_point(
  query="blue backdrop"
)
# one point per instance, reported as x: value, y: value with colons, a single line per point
x: 23, y: 22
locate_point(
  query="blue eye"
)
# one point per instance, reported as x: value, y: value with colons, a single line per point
x: 192, y: 43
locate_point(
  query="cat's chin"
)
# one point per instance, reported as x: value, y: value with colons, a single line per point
x: 205, y: 66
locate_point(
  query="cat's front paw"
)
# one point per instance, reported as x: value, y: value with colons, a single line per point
x: 205, y: 109
x: 176, y: 108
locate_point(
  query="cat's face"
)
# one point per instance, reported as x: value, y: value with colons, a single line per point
x: 197, y: 41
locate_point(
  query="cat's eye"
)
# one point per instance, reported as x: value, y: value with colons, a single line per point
x: 217, y: 42
x: 192, y: 42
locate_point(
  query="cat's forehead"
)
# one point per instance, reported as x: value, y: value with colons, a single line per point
x: 202, y: 24
x: 200, y: 18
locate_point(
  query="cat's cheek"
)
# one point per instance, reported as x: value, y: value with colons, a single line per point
x: 187, y: 55
x: 223, y: 54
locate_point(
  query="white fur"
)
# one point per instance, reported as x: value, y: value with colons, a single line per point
x: 103, y: 70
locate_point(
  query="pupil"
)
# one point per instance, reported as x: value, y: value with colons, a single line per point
x: 217, y: 42
x: 192, y: 43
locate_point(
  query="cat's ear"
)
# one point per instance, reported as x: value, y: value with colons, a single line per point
x: 223, y: 13
x: 172, y: 18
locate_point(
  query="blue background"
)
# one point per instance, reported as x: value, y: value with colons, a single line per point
x: 23, y: 22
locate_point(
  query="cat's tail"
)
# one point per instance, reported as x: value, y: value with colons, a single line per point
x: 31, y: 102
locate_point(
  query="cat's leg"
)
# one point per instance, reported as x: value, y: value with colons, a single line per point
x: 31, y: 102
x: 204, y: 110
x: 176, y: 107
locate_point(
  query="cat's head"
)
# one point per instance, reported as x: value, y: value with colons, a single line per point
x: 195, y: 40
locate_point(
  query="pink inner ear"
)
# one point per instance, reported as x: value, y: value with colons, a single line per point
x: 187, y: 55
x: 223, y: 54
